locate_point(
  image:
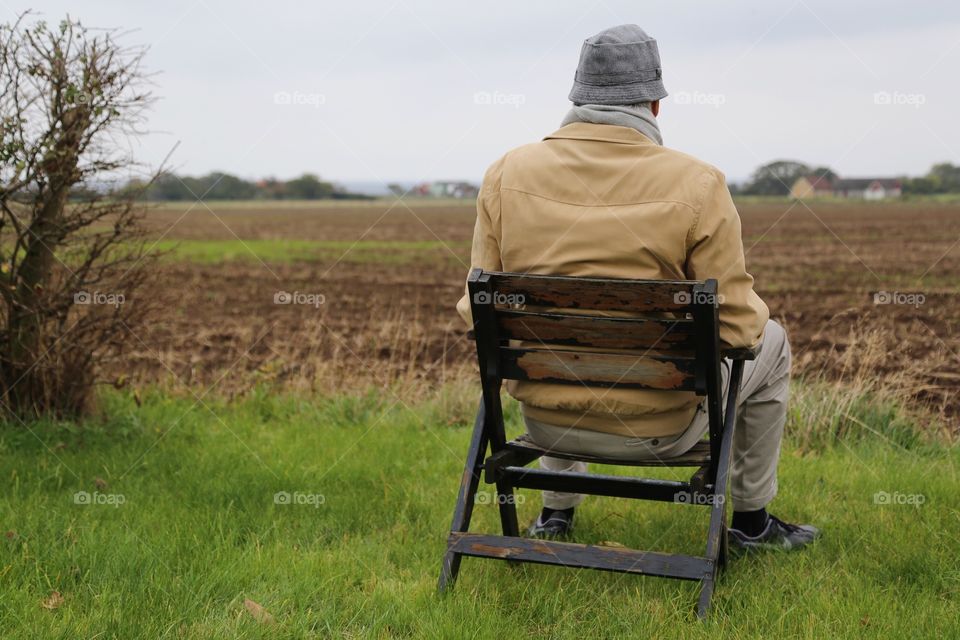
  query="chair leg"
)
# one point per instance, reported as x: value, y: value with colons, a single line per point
x: 465, y: 501
x: 706, y: 588
x: 716, y: 551
x: 724, y: 554
x: 717, y: 531
x: 449, y: 571
x: 506, y: 500
x: 463, y: 511
x: 716, y: 545
x: 706, y: 591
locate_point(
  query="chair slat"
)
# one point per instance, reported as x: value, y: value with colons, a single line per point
x: 601, y: 294
x: 674, y: 336
x: 597, y: 369
x: 569, y: 554
x: 697, y: 456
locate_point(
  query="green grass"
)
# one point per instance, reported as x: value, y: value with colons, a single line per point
x: 365, y: 251
x: 199, y: 531
x: 284, y: 250
x: 317, y: 205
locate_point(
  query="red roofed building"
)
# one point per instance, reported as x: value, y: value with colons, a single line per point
x: 812, y: 187
x: 853, y: 188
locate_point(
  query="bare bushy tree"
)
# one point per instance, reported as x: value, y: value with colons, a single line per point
x: 72, y: 249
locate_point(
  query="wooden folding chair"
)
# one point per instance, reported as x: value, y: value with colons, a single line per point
x: 669, y: 343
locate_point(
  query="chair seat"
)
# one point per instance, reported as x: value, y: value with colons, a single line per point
x: 697, y: 456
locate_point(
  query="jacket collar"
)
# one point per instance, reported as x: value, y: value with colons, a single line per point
x: 599, y: 132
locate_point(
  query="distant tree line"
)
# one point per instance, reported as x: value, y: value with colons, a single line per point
x: 776, y: 178
x: 942, y: 178
x: 223, y: 186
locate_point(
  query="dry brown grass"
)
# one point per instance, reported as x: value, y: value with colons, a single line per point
x: 854, y: 392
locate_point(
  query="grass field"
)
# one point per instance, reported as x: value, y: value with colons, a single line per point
x: 181, y: 526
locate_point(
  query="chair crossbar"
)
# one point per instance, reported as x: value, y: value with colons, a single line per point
x: 585, y: 556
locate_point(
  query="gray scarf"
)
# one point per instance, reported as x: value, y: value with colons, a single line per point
x: 639, y: 118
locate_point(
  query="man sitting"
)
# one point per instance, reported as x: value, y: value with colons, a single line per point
x: 601, y: 197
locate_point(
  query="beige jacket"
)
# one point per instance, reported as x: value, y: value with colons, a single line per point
x: 605, y: 201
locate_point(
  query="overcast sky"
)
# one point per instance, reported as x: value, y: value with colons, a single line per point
x: 431, y: 89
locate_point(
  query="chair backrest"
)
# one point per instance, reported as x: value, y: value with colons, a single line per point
x: 669, y: 340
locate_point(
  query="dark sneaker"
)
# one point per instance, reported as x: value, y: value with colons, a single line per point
x: 552, y: 524
x: 776, y: 535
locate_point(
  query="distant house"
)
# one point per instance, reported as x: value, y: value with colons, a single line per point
x: 446, y: 189
x: 853, y: 188
x: 811, y: 187
x: 868, y: 188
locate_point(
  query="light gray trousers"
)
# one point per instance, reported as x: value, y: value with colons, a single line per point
x: 761, y: 414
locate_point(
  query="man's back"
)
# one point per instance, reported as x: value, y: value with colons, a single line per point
x: 607, y: 201
x: 598, y: 200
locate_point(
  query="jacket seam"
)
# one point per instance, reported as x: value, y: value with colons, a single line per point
x: 580, y: 204
x: 698, y: 210
x: 499, y: 192
x: 488, y: 191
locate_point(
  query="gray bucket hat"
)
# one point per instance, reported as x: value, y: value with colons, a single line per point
x: 619, y: 65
